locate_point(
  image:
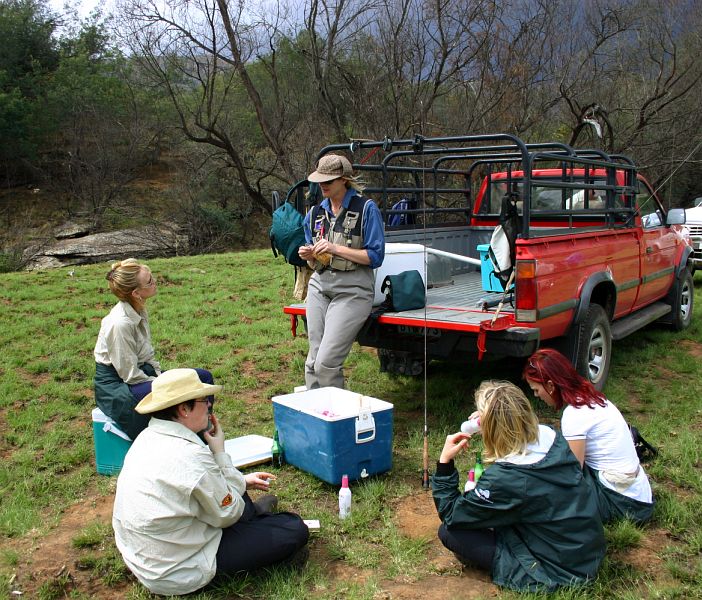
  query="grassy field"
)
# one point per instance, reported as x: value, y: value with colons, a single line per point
x: 224, y: 312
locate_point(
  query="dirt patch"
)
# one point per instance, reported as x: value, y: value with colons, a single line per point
x: 44, y: 559
x: 416, y: 518
x: 646, y: 557
x: 438, y: 587
x: 693, y: 348
x: 37, y: 379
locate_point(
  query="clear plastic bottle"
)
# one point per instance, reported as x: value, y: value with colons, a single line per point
x: 470, y: 484
x: 471, y: 426
x: 344, y: 498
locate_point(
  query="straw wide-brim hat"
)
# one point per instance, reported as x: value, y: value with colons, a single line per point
x: 329, y: 167
x: 173, y: 387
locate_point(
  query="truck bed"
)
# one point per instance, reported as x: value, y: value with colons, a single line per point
x: 455, y: 305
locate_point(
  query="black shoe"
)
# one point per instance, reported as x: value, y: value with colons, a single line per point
x: 266, y: 504
x: 463, y: 561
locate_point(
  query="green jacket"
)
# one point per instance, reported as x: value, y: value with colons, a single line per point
x: 545, y: 517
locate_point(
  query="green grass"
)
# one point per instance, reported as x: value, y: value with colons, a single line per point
x: 224, y: 312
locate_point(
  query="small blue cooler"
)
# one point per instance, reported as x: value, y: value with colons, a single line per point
x: 111, y: 444
x: 491, y: 282
x: 330, y: 432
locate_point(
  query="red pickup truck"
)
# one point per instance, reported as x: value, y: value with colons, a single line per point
x: 587, y: 268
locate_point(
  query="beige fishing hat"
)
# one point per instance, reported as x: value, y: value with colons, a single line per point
x: 329, y: 167
x: 173, y: 387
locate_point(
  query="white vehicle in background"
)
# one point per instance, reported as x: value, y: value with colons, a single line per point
x: 693, y: 222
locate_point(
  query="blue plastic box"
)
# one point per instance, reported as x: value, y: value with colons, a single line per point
x: 491, y: 282
x: 111, y: 444
x: 330, y: 432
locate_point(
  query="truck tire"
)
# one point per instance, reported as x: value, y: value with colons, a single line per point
x: 683, y: 302
x: 592, y: 354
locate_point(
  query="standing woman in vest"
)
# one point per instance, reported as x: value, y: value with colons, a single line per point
x: 597, y: 434
x: 125, y: 364
x: 345, y: 242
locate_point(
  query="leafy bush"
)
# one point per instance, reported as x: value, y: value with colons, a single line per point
x: 11, y: 261
x: 212, y: 228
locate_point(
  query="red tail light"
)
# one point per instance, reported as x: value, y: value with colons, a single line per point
x: 526, y: 290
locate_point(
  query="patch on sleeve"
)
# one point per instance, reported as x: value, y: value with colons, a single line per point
x: 227, y: 500
x: 483, y: 494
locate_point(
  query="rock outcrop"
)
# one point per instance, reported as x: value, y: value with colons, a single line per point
x: 141, y: 242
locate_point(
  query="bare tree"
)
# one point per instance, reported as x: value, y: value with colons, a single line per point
x: 201, y: 53
x: 269, y: 89
x: 633, y: 84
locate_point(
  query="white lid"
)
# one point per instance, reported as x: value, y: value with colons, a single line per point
x: 249, y: 449
x: 401, y: 248
x: 332, y: 404
x: 101, y: 417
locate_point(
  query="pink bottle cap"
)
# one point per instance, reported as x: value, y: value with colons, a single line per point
x: 344, y: 481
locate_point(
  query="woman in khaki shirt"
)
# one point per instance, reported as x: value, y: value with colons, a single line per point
x: 125, y: 363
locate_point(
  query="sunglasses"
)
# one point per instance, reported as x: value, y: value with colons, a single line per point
x: 210, y: 403
x: 537, y: 366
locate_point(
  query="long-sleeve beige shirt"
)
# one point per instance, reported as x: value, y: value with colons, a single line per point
x: 173, y: 499
x: 124, y: 342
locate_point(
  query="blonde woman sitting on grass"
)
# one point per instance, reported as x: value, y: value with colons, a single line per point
x: 125, y: 363
x: 531, y: 520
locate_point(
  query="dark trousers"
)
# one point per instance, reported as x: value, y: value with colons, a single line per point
x: 475, y: 547
x: 257, y: 541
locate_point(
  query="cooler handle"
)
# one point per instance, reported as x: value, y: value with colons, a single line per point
x: 116, y: 430
x: 365, y: 423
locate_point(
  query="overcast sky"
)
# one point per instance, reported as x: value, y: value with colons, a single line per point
x: 84, y: 7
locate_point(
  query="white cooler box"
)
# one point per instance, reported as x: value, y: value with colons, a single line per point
x: 398, y: 258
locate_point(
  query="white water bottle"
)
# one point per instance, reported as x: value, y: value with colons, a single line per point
x: 472, y: 426
x: 344, y: 498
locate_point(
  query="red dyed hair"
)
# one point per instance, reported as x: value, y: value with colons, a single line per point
x: 570, y: 387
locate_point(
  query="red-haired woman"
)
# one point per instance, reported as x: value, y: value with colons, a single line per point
x: 597, y: 434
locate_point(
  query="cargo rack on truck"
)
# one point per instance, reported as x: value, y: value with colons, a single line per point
x: 430, y: 182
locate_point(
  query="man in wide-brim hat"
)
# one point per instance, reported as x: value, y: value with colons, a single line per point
x: 182, y: 514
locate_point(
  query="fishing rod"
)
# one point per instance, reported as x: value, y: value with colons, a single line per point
x: 425, y: 448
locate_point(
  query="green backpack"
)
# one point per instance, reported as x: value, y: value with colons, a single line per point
x: 287, y: 234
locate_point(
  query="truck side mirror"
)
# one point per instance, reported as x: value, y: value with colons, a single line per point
x: 676, y: 216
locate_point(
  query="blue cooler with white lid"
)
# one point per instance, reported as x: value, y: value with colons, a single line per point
x: 330, y: 432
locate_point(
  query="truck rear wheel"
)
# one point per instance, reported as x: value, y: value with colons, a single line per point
x: 683, y: 302
x: 592, y: 353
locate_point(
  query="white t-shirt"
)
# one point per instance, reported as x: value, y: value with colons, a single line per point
x: 608, y: 444
x: 535, y: 451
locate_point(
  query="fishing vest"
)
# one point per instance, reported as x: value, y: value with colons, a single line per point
x: 344, y: 230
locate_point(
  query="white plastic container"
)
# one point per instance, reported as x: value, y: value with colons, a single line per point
x: 398, y: 258
x: 471, y: 427
x: 344, y: 498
